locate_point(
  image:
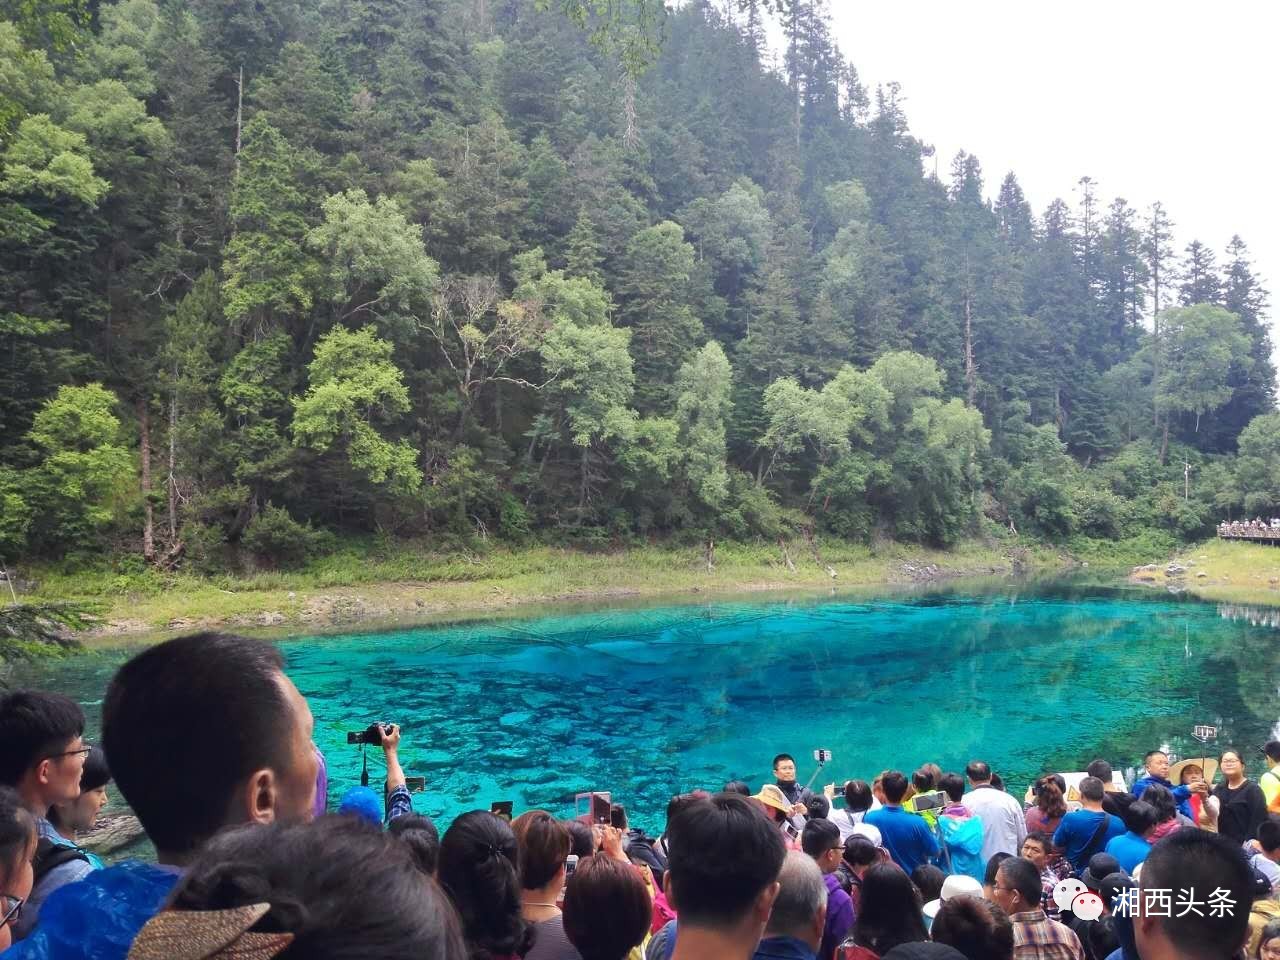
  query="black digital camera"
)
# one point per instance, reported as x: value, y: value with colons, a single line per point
x: 373, y: 735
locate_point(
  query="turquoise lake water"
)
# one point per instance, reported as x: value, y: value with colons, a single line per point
x: 647, y: 702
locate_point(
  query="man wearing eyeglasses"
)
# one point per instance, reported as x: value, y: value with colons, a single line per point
x: 1018, y: 893
x: 42, y: 754
x: 202, y: 732
x: 821, y: 841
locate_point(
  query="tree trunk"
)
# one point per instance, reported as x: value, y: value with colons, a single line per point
x: 1164, y: 444
x: 1155, y: 361
x: 582, y: 487
x: 970, y: 369
x: 239, y: 115
x: 148, y: 528
x: 173, y: 468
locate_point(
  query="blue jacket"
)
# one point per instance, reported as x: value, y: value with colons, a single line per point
x: 1181, y: 793
x: 97, y: 918
x: 963, y: 839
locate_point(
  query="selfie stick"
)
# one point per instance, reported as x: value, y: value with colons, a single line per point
x: 821, y: 764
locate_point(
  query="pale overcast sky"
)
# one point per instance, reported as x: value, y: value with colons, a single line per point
x: 1169, y: 101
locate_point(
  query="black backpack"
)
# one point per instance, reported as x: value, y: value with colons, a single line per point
x: 53, y: 853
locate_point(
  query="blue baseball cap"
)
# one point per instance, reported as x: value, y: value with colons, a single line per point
x: 362, y: 802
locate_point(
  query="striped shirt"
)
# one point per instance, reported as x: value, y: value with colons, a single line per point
x: 1036, y: 937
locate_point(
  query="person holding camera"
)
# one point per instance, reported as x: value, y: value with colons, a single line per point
x: 396, y: 792
x: 396, y: 802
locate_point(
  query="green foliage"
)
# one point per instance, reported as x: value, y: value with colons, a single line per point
x: 1258, y: 468
x: 703, y: 387
x: 593, y: 377
x: 377, y: 266
x: 16, y: 512
x: 29, y: 631
x: 54, y: 24
x: 46, y: 159
x: 275, y: 539
x: 352, y: 383
x: 269, y: 277
x: 1200, y: 345
x: 654, y: 292
x: 452, y: 270
x: 76, y: 488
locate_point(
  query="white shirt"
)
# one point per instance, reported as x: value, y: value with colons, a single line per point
x: 1004, y: 825
x: 841, y: 819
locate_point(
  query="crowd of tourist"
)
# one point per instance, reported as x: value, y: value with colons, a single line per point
x: 210, y: 743
x: 1256, y: 527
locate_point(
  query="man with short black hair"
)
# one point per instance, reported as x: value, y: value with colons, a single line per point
x: 784, y: 771
x: 905, y: 835
x: 674, y: 806
x: 1115, y: 800
x: 1156, y: 763
x: 794, y: 931
x: 203, y: 732
x: 1264, y: 853
x: 1084, y: 832
x: 1213, y: 869
x: 42, y: 756
x: 1004, y: 825
x: 821, y: 841
x: 722, y: 876
x: 1039, y: 849
x: 1035, y: 937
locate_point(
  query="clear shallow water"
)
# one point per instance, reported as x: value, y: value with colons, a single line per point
x: 649, y: 702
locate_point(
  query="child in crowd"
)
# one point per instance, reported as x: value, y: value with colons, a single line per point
x: 17, y: 847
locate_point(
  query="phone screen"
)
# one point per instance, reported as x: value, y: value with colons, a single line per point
x: 599, y: 808
x: 502, y: 808
x: 570, y: 865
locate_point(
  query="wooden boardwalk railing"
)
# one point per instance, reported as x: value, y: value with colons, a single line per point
x: 1249, y: 532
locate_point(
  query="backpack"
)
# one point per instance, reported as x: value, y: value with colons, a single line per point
x: 51, y: 854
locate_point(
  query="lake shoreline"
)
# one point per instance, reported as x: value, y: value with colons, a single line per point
x: 567, y: 577
x: 1217, y: 571
x: 413, y: 585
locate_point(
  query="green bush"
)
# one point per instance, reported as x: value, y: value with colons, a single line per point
x: 513, y: 520
x: 275, y: 539
x: 1096, y: 510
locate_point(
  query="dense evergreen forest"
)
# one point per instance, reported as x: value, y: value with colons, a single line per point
x: 275, y: 273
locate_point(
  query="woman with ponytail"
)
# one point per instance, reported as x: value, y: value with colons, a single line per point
x: 544, y: 847
x: 479, y: 869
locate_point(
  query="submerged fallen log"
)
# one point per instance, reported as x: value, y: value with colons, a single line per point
x: 111, y: 833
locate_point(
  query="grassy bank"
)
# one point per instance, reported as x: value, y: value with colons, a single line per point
x: 366, y: 581
x: 1220, y: 570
